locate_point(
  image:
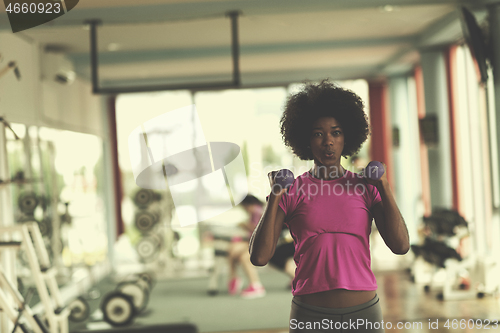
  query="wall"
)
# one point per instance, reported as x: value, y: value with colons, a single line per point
x: 37, y: 99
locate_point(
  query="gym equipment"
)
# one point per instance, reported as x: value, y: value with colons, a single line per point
x: 27, y: 202
x: 26, y: 218
x: 435, y: 252
x: 448, y: 227
x: 144, y: 284
x: 80, y: 310
x: 143, y: 198
x: 22, y: 255
x: 118, y: 308
x: 22, y: 304
x: 66, y: 218
x: 145, y: 221
x: 139, y: 292
x: 43, y: 274
x: 149, y: 278
x: 444, y: 222
x: 148, y: 248
x: 374, y: 170
x: 284, y: 178
x: 45, y: 226
x: 27, y: 299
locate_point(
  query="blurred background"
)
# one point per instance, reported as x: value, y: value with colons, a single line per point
x: 73, y: 89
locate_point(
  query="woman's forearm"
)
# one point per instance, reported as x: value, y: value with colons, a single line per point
x: 398, y: 239
x: 266, y: 234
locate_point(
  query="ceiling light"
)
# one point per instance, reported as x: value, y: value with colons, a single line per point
x: 113, y: 47
x: 389, y: 8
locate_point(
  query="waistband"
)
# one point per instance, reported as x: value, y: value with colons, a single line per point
x: 337, y: 311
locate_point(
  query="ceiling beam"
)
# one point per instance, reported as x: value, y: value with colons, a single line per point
x: 120, y: 57
x: 249, y: 80
x: 225, y: 84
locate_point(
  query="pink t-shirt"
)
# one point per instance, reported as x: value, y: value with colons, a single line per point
x: 330, y: 222
x: 254, y: 221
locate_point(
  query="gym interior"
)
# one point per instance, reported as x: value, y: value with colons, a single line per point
x: 89, y: 245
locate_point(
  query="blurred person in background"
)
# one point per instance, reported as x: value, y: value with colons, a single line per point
x: 238, y: 253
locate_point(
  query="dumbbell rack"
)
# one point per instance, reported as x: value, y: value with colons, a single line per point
x: 43, y: 274
x: 23, y: 308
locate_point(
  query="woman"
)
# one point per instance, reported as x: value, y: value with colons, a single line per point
x: 329, y: 211
x: 238, y: 253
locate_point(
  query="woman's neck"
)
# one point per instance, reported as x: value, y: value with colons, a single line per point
x: 327, y: 173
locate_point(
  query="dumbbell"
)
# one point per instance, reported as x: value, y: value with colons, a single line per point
x: 80, y: 310
x: 143, y: 198
x: 118, y: 308
x: 374, y: 170
x: 145, y: 221
x: 138, y: 290
x: 139, y: 287
x: 27, y: 202
x: 147, y: 277
x: 284, y: 178
x: 148, y: 248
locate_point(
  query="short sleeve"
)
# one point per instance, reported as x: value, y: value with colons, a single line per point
x: 374, y: 196
x: 284, y: 203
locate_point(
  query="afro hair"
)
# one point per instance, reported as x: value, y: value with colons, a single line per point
x: 324, y: 99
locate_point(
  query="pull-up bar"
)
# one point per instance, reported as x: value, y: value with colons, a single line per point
x: 235, y: 51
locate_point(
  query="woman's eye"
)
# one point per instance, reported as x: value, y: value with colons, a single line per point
x: 317, y: 134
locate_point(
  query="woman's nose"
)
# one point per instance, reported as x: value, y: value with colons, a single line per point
x: 328, y: 140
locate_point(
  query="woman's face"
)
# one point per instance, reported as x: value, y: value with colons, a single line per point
x: 327, y: 141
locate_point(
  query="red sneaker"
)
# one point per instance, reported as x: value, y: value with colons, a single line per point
x: 234, y: 286
x: 255, y: 290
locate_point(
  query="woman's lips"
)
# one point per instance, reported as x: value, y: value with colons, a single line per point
x: 327, y: 154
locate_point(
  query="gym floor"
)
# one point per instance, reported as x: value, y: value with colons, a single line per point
x: 186, y: 301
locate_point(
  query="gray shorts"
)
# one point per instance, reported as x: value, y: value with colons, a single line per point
x: 366, y: 317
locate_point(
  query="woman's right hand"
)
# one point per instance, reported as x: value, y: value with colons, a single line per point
x: 276, y: 189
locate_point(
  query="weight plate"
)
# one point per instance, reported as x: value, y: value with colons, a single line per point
x: 157, y: 215
x: 118, y: 309
x: 158, y: 238
x: 143, y: 198
x: 27, y: 202
x: 140, y: 295
x: 144, y: 221
x: 147, y: 248
x: 80, y: 310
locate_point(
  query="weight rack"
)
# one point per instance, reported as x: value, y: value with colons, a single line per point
x: 43, y: 274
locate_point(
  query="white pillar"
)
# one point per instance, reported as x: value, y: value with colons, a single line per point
x: 109, y: 197
x: 406, y: 158
x: 436, y: 103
